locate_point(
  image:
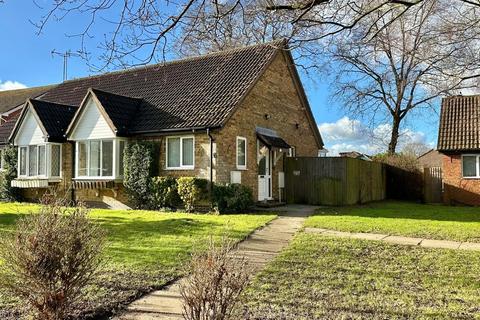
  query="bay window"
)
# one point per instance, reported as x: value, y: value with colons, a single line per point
x: 471, y: 166
x: 180, y: 152
x: 99, y: 158
x: 42, y: 161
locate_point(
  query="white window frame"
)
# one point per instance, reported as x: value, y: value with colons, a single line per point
x: 477, y: 165
x: 115, y: 159
x: 181, y: 167
x: 239, y: 166
x: 48, y: 163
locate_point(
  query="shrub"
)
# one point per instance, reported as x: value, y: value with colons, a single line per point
x: 191, y: 191
x: 139, y: 160
x: 404, y: 161
x: 216, y: 280
x: 7, y: 192
x: 50, y: 258
x: 232, y: 198
x: 164, y: 193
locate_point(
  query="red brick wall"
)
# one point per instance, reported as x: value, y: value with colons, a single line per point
x: 458, y: 190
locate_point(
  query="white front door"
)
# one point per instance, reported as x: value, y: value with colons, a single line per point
x: 264, y: 177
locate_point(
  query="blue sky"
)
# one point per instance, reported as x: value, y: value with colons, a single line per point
x: 26, y: 60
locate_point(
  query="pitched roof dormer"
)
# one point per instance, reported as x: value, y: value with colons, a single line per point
x: 42, y: 121
x: 103, y: 115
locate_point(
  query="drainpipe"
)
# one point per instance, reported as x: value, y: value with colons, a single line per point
x: 73, y: 173
x: 211, y: 158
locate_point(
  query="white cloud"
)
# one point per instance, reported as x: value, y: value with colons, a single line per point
x: 348, y: 134
x: 11, y: 85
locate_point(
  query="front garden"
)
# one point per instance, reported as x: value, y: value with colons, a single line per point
x: 320, y: 277
x: 145, y: 250
x: 404, y: 219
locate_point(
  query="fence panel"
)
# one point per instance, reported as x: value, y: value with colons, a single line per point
x: 333, y: 181
x: 433, y: 185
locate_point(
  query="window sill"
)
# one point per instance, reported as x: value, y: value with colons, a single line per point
x: 98, y: 179
x: 471, y: 178
x: 242, y: 169
x: 181, y: 169
x: 50, y: 179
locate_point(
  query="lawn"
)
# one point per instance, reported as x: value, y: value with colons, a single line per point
x: 146, y: 250
x: 403, y: 218
x: 319, y: 277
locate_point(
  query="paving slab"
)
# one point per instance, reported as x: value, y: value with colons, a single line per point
x: 403, y: 240
x: 469, y: 246
x: 369, y: 236
x: 442, y: 244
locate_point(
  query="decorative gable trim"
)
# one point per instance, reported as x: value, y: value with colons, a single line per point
x: 28, y: 107
x: 78, y: 115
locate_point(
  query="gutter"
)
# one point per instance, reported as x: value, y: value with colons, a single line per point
x: 167, y: 131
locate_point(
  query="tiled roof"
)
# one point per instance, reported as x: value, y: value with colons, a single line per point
x: 459, y: 128
x: 190, y: 93
x: 120, y: 109
x: 13, y: 98
x: 55, y: 118
x: 7, y: 126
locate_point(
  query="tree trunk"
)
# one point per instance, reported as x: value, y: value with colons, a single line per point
x: 392, y: 146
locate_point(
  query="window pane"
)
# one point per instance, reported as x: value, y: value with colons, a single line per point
x: 56, y: 160
x: 121, y: 149
x: 241, y: 152
x: 23, y: 161
x: 469, y: 166
x: 187, y: 150
x: 107, y: 158
x: 41, y: 160
x: 82, y: 159
x: 94, y: 166
x: 32, y: 160
x: 173, y: 157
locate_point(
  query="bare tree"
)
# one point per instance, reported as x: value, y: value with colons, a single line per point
x: 404, y: 67
x: 142, y: 31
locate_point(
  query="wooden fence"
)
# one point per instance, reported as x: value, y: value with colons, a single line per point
x: 433, y: 184
x: 333, y: 181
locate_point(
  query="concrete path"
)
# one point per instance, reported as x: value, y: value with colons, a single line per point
x: 422, y: 242
x: 261, y: 247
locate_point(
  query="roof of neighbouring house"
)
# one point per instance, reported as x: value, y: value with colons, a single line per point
x: 190, y: 93
x: 354, y: 154
x: 11, y: 99
x: 459, y: 128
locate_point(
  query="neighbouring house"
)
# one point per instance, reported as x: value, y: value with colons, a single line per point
x: 229, y: 117
x: 354, y: 155
x: 459, y: 142
x: 11, y: 104
x: 430, y: 159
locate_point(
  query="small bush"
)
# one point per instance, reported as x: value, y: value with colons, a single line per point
x: 192, y: 190
x: 50, y: 258
x: 232, y: 198
x: 164, y: 193
x: 215, y: 283
x: 139, y: 167
x: 7, y: 192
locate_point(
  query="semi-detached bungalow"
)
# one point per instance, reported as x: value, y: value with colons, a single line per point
x: 230, y: 117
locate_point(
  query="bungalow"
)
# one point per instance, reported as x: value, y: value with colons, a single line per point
x: 459, y: 142
x: 230, y: 116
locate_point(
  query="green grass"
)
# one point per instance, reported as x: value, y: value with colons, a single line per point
x: 145, y: 249
x: 318, y: 277
x: 403, y: 218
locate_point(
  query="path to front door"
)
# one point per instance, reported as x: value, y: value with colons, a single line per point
x: 261, y: 247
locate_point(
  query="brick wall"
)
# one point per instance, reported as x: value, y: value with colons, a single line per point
x: 274, y: 94
x: 458, y: 190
